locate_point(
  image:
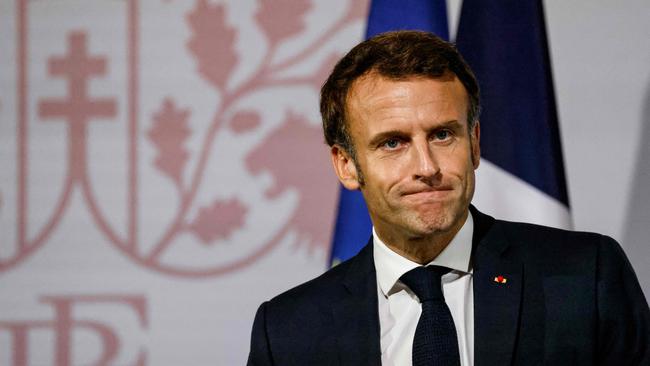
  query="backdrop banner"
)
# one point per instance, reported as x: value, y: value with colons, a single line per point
x: 163, y: 173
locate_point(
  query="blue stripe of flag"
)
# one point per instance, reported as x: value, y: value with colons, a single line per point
x: 389, y: 15
x: 353, y: 226
x: 505, y: 44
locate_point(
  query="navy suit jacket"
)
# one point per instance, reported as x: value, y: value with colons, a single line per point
x: 571, y: 298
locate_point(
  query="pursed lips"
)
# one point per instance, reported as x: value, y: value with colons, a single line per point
x: 428, y: 194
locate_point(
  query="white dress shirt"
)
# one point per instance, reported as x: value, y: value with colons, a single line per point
x: 399, y: 307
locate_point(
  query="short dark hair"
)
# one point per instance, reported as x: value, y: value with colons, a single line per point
x: 395, y: 55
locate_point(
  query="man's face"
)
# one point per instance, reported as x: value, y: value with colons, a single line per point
x: 415, y: 152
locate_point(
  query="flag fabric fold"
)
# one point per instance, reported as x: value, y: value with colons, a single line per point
x: 505, y: 44
x: 522, y: 177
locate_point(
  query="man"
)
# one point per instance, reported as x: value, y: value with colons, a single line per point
x: 439, y: 282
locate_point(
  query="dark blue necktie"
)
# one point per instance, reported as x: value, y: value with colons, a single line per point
x: 435, y: 341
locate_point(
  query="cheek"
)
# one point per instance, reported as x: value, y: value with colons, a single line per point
x: 394, y: 175
x: 381, y: 183
x: 458, y: 162
x: 387, y: 170
x: 455, y: 167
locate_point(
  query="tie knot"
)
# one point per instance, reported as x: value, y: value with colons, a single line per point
x: 425, y: 282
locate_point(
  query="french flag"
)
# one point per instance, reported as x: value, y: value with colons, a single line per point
x: 521, y: 175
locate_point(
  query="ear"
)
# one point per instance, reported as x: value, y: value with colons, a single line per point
x: 344, y: 168
x: 475, y: 138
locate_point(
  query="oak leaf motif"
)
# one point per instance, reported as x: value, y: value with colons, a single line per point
x: 212, y: 42
x: 280, y: 19
x: 245, y: 121
x: 168, y: 133
x: 219, y: 220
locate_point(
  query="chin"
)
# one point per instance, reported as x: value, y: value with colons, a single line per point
x: 440, y: 222
x: 431, y: 226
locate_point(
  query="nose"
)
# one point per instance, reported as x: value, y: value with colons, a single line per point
x: 425, y: 163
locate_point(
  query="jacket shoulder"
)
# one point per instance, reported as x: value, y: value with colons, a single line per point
x: 538, y: 241
x: 536, y: 233
x: 315, y: 288
x: 314, y: 295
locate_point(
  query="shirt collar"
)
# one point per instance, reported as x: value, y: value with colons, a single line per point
x: 390, y: 266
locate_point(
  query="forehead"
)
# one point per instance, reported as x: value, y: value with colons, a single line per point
x: 375, y: 98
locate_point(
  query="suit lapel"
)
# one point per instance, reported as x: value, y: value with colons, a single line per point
x: 356, y: 314
x: 496, y: 300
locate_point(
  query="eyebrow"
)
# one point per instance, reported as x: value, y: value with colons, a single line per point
x: 380, y: 137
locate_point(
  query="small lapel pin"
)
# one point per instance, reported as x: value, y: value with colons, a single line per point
x: 500, y: 279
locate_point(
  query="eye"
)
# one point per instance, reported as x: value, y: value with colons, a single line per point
x: 442, y: 135
x: 391, y: 144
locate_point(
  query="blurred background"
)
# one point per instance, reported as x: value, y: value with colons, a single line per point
x: 163, y: 171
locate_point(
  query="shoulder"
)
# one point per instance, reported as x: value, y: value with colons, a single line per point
x: 557, y: 252
x: 521, y: 231
x: 548, y: 250
x: 533, y: 241
x: 318, y: 293
x: 549, y: 241
x: 314, y: 289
